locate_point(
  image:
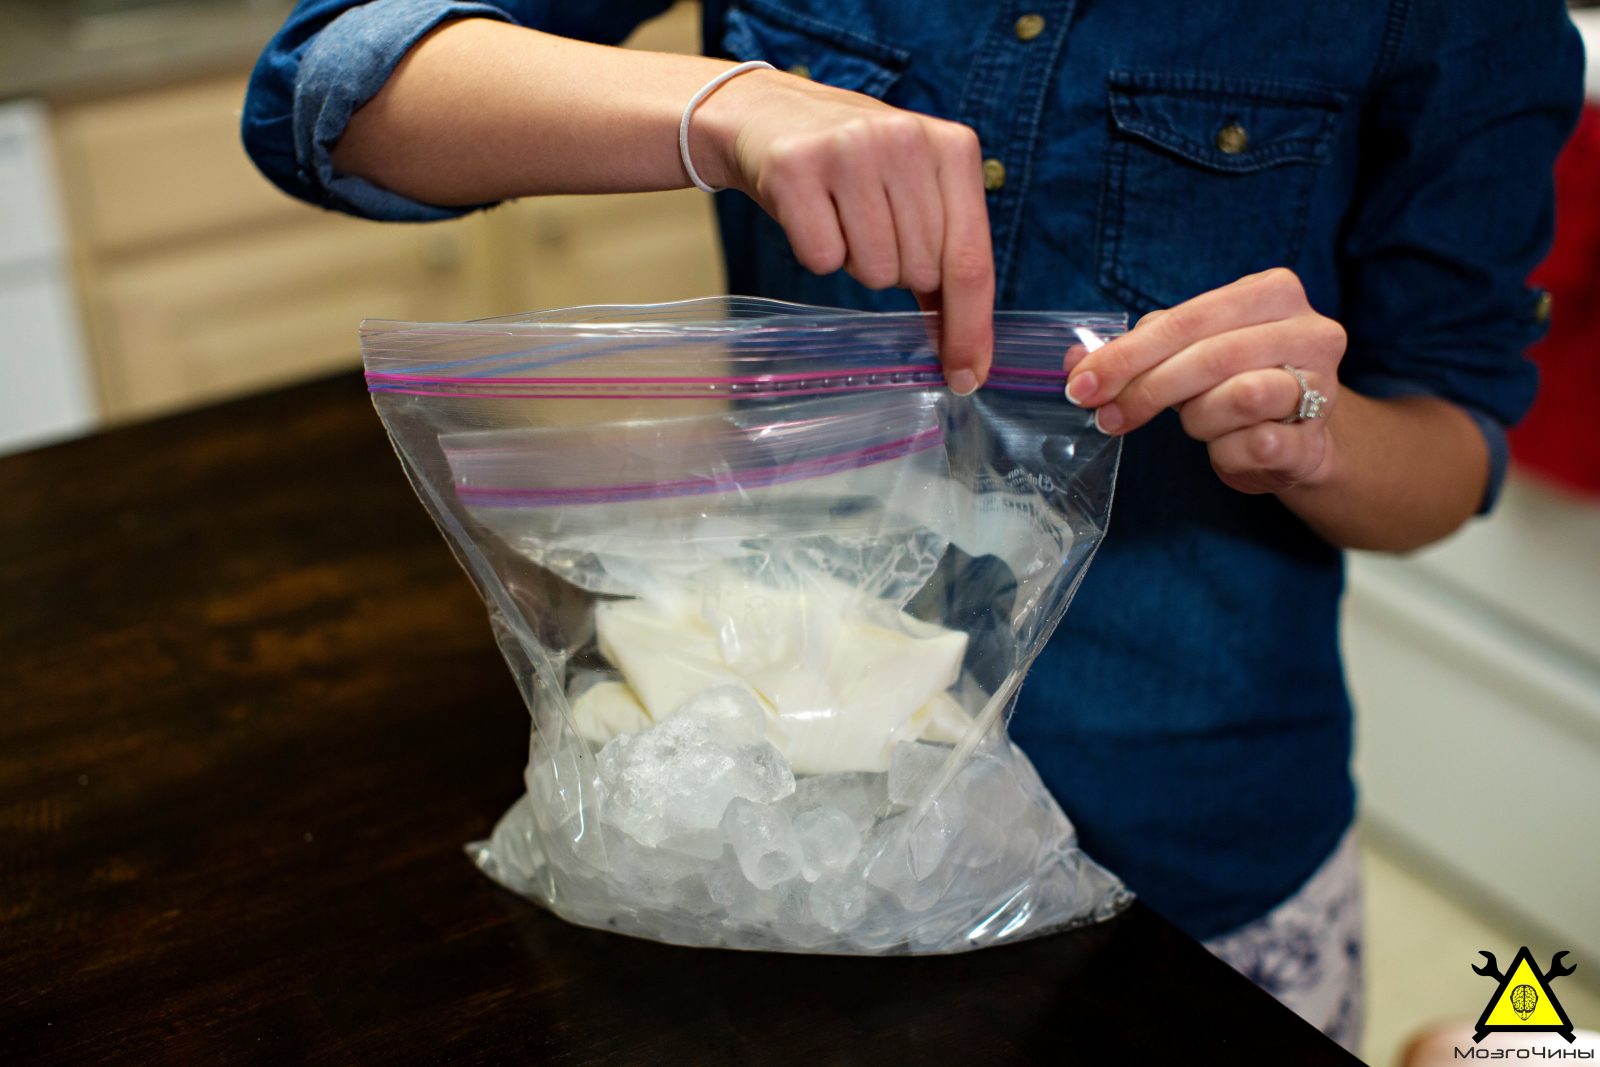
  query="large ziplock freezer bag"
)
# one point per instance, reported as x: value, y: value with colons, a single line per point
x: 769, y: 590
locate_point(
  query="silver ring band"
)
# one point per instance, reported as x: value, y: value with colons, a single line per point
x: 1311, y: 401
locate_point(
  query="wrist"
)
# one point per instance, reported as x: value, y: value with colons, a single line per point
x: 715, y: 127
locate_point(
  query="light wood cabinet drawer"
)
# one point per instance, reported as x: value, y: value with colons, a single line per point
x: 159, y: 168
x: 635, y: 248
x: 203, y: 324
x: 199, y: 279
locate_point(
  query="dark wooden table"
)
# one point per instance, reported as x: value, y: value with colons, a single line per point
x: 249, y: 712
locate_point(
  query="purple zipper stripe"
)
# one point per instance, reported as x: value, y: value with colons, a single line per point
x: 756, y: 478
x: 999, y: 386
x: 747, y: 379
x: 759, y: 394
x: 584, y: 395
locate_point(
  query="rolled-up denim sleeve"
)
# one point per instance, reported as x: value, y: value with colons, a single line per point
x: 1457, y: 209
x: 332, y: 56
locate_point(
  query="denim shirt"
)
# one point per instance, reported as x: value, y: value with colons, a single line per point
x: 1191, y: 712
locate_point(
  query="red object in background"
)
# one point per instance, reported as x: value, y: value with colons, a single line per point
x: 1560, y: 438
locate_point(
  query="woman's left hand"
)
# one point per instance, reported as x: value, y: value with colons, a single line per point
x: 1218, y: 359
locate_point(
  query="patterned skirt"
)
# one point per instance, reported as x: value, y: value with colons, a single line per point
x: 1307, y: 950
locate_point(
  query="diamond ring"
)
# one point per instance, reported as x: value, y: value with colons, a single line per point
x: 1311, y: 401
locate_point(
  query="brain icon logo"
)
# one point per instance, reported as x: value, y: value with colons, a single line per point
x: 1524, y: 999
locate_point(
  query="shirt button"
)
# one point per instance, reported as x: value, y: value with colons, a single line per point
x: 1541, y: 310
x: 1232, y: 139
x: 800, y: 70
x: 1029, y: 26
x: 994, y: 174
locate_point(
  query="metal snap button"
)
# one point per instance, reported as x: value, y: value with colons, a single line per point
x: 1029, y: 26
x: 1232, y: 139
x: 994, y: 174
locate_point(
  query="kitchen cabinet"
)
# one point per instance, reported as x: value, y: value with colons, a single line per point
x: 627, y: 249
x: 199, y: 280
x: 226, y: 318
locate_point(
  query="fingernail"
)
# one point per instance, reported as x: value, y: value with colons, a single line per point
x: 963, y: 382
x: 1080, y: 390
x: 1108, y: 420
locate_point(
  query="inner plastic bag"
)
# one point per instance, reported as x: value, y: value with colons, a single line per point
x: 769, y: 590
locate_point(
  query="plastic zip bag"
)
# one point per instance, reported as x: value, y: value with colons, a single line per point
x: 769, y: 590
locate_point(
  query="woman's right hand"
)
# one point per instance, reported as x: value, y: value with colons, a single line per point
x: 894, y: 197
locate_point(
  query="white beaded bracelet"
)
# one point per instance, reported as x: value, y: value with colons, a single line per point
x: 695, y: 101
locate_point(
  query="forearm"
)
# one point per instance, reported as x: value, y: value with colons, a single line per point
x: 1399, y: 473
x: 480, y: 111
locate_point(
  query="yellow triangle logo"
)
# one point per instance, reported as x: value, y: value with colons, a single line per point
x: 1524, y: 1000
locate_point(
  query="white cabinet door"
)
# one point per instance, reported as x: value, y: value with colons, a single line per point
x: 44, y: 385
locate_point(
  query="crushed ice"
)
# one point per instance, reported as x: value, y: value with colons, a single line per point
x: 697, y: 831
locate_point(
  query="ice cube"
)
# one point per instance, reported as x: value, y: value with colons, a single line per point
x: 704, y: 844
x: 761, y: 773
x: 838, y: 901
x: 930, y: 831
x: 744, y: 905
x: 979, y: 844
x: 680, y: 776
x: 732, y: 710
x: 888, y: 865
x: 991, y: 791
x: 828, y: 839
x: 725, y: 884
x: 886, y: 856
x: 914, y: 769
x: 764, y: 842
x: 792, y: 923
x: 646, y: 876
x: 859, y: 794
x: 691, y: 897
x: 881, y: 926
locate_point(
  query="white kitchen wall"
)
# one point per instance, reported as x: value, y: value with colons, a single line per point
x: 1475, y: 667
x: 1588, y: 23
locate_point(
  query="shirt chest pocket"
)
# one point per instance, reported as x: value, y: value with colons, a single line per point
x: 834, y: 51
x: 1207, y: 179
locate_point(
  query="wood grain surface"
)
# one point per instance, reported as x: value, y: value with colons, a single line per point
x: 250, y: 710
